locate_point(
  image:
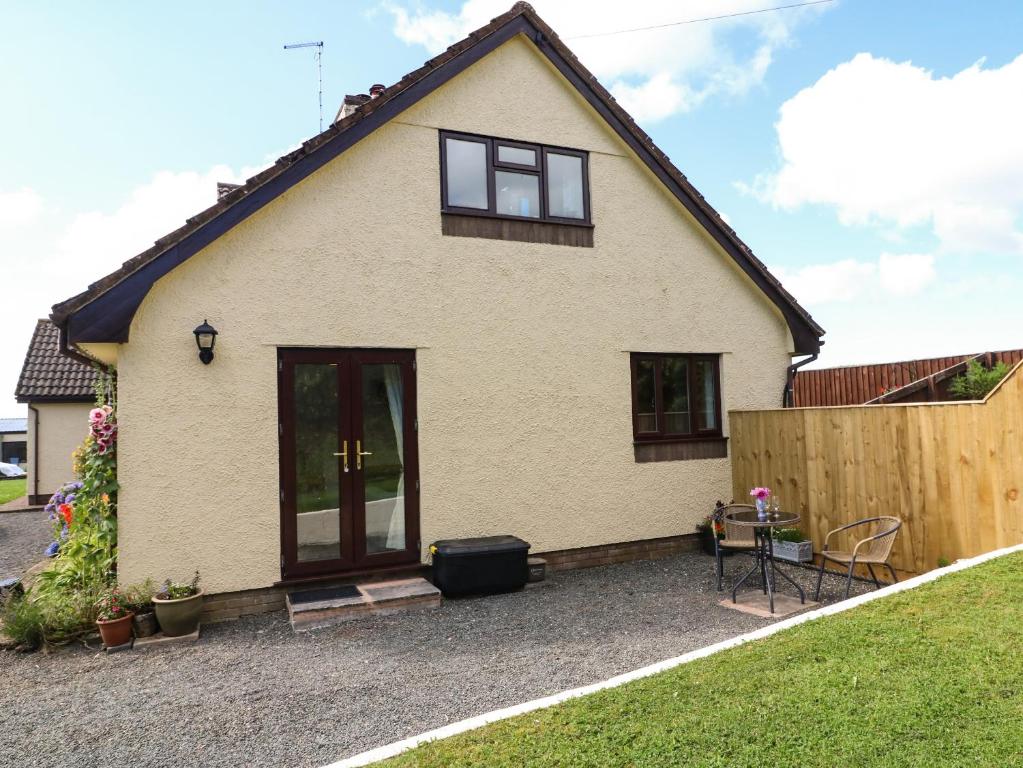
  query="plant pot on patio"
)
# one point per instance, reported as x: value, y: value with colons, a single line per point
x: 178, y: 607
x: 116, y: 631
x: 113, y: 618
x: 791, y: 545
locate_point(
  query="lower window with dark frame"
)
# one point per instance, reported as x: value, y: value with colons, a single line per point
x: 676, y: 406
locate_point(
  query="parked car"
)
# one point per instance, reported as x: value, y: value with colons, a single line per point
x: 10, y: 471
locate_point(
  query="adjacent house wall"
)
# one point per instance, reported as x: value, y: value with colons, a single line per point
x: 524, y: 408
x: 62, y: 428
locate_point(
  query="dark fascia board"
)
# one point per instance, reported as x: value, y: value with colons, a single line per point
x: 107, y: 318
x: 30, y: 399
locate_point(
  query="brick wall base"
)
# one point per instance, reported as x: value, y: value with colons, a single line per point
x: 234, y: 605
x: 608, y: 554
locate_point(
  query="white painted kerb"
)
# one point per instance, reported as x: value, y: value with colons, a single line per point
x: 390, y: 750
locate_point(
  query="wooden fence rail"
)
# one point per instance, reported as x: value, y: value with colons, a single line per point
x: 953, y: 472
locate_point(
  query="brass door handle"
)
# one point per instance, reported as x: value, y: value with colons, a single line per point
x: 345, y: 454
x: 359, y: 453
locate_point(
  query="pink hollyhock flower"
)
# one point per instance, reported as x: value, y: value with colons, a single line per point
x: 97, y: 415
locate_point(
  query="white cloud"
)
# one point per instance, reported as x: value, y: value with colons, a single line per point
x: 60, y: 254
x: 905, y: 274
x: 901, y: 275
x: 890, y: 144
x: 654, y: 73
x: 19, y: 208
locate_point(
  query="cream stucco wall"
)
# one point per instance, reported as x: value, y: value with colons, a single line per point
x: 62, y: 428
x: 522, y: 349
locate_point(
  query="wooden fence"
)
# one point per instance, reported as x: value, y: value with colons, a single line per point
x: 857, y: 384
x: 953, y: 472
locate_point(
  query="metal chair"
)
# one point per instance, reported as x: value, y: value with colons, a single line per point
x: 875, y: 549
x: 737, y: 538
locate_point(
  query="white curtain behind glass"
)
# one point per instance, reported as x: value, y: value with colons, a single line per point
x: 396, y: 529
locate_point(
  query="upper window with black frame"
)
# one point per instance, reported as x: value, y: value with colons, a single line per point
x: 512, y: 179
x: 675, y: 397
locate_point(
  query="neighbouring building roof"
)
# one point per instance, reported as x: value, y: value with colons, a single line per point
x: 49, y: 375
x: 103, y: 313
x: 8, y: 426
x: 859, y: 384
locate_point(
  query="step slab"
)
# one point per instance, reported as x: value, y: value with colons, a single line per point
x: 312, y: 608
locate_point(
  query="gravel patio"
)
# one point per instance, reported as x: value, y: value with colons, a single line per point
x: 251, y: 692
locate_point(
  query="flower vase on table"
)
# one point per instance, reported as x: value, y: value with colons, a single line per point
x: 760, y: 496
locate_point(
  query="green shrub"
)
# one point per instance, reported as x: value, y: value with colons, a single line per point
x: 22, y: 621
x: 138, y: 598
x: 789, y: 534
x: 178, y: 591
x: 977, y: 381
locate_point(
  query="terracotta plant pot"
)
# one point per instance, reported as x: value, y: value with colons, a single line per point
x: 115, y: 632
x: 178, y: 617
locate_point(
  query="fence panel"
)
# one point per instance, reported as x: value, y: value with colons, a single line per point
x: 953, y: 472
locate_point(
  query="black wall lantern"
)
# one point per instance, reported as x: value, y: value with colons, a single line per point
x: 205, y: 338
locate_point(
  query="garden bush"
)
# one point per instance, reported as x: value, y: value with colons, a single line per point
x: 61, y: 604
x: 977, y: 381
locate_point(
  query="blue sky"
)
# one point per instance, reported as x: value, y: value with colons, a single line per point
x: 857, y: 146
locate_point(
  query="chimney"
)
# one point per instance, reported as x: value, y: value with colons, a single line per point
x: 353, y: 101
x: 224, y: 189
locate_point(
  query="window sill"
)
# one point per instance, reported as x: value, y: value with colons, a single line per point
x: 680, y: 449
x: 522, y: 230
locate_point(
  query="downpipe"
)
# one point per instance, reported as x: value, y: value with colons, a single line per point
x: 787, y: 395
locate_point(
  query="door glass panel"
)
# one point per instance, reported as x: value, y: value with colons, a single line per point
x: 518, y: 194
x: 383, y: 470
x: 705, y: 395
x: 466, y: 173
x: 317, y: 490
x: 646, y: 407
x: 565, y: 186
x: 675, y: 392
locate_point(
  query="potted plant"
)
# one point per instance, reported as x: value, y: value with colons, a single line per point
x: 178, y: 607
x: 792, y: 545
x: 139, y: 599
x: 113, y: 618
x: 709, y: 529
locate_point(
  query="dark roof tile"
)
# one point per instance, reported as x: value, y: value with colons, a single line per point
x: 50, y: 375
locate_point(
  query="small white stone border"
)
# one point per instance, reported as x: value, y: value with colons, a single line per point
x: 390, y: 750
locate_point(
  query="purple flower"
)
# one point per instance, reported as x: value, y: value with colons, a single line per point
x: 63, y: 531
x: 53, y: 549
x: 69, y: 499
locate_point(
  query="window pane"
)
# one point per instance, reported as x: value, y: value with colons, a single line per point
x: 675, y: 394
x: 467, y: 173
x: 646, y: 409
x: 516, y: 155
x: 565, y: 185
x: 705, y: 395
x: 518, y: 194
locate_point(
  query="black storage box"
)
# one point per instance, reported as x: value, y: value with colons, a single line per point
x: 480, y: 566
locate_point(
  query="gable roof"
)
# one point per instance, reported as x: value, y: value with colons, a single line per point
x: 103, y: 313
x: 49, y: 375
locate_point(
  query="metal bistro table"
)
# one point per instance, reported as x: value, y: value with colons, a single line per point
x: 764, y: 549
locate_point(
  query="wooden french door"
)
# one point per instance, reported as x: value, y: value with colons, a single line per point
x: 349, y: 464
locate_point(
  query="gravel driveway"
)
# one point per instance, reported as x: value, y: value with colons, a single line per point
x: 23, y: 537
x: 253, y: 693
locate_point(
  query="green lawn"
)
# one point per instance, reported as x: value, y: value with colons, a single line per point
x: 929, y: 677
x: 11, y: 489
